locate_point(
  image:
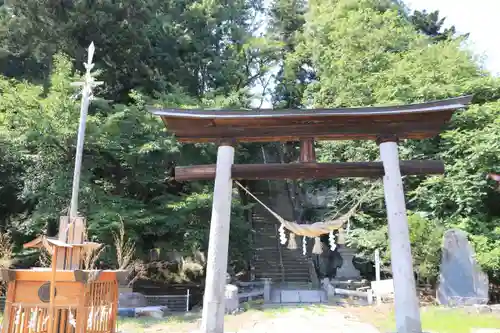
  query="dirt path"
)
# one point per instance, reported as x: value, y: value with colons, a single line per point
x: 322, y: 319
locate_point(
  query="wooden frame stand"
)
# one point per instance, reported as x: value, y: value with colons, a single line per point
x: 63, y: 298
x: 84, y: 301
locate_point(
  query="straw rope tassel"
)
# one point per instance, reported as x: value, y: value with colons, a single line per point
x: 33, y: 319
x: 317, y: 246
x: 89, y: 319
x: 282, y: 234
x: 71, y: 318
x: 292, y: 243
x: 17, y: 319
x: 331, y: 241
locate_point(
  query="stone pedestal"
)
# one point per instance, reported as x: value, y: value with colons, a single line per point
x: 347, y: 271
x: 267, y: 290
x: 232, y: 301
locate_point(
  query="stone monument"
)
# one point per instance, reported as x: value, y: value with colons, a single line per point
x: 461, y: 280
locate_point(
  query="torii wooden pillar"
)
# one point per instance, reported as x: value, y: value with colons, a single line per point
x: 386, y: 125
x: 213, y: 299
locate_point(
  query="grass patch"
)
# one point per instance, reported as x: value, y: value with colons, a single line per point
x: 434, y: 319
x: 457, y: 321
x: 190, y: 322
x: 170, y: 324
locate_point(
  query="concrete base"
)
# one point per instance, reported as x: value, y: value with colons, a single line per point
x: 279, y: 296
x: 125, y: 290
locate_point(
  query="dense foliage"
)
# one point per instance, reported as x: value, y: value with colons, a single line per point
x: 212, y: 53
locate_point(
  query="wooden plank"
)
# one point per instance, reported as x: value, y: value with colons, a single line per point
x: 308, y: 170
x: 61, y: 276
x: 63, y: 237
x: 76, y: 237
x: 307, y: 152
x: 9, y: 311
x: 319, y: 131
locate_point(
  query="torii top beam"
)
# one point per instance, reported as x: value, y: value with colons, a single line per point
x: 413, y: 121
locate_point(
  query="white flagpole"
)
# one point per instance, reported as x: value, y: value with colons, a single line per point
x: 87, y: 85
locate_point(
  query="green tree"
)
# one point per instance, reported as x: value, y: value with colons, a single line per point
x: 431, y: 25
x: 151, y: 46
x: 126, y: 170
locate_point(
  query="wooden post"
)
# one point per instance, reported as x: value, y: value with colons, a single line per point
x: 87, y: 85
x: 52, y: 292
x: 307, y: 153
x: 377, y: 273
x: 213, y: 301
x: 405, y: 294
x: 9, y: 300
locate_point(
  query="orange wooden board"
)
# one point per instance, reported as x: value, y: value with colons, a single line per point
x: 67, y: 293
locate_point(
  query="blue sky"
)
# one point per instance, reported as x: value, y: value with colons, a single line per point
x: 479, y: 18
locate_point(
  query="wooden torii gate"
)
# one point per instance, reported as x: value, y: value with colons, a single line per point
x: 385, y: 125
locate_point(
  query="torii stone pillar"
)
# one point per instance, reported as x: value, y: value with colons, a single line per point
x: 213, y: 300
x: 405, y: 293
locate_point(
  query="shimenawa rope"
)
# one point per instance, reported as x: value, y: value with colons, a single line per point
x: 314, y: 230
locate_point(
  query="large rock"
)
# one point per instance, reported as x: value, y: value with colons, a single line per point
x: 132, y: 300
x: 461, y: 280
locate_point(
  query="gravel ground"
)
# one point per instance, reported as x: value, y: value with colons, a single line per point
x: 317, y: 319
x: 324, y: 320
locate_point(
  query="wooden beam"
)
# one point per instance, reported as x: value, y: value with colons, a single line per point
x: 414, y: 121
x: 64, y: 275
x: 308, y: 170
x: 307, y: 152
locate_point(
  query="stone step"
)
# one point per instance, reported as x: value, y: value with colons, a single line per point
x: 276, y: 278
x: 272, y: 259
x: 279, y: 271
x: 274, y: 272
x: 263, y: 263
x: 275, y: 254
x: 299, y: 266
x: 264, y: 233
x: 289, y: 265
x: 268, y: 273
x: 277, y: 261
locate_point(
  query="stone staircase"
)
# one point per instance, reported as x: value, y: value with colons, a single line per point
x: 271, y: 259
